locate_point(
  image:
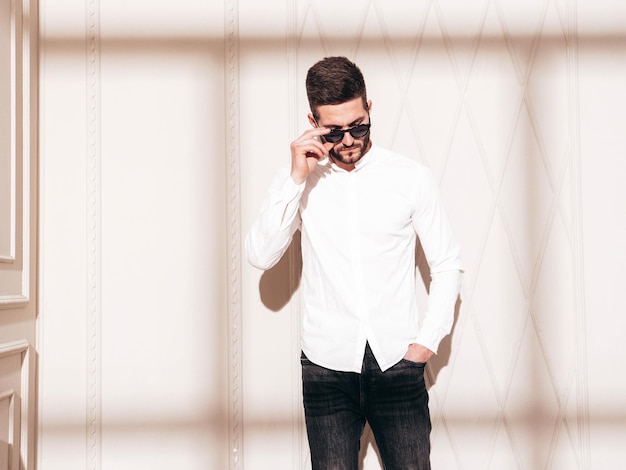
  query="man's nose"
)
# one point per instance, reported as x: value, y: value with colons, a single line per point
x: 348, y: 140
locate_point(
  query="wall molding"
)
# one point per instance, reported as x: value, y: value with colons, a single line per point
x: 300, y: 448
x: 16, y: 212
x: 94, y: 222
x: 233, y: 198
x: 17, y: 368
x: 580, y: 319
x: 11, y: 17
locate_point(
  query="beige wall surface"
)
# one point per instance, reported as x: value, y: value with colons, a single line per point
x: 133, y: 209
x: 18, y: 232
x: 162, y: 124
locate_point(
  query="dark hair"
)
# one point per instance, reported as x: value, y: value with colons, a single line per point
x: 334, y: 80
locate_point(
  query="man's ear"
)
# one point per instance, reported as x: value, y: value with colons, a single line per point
x: 312, y: 120
x: 369, y: 106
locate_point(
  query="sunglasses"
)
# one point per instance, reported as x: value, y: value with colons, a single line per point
x: 336, y: 135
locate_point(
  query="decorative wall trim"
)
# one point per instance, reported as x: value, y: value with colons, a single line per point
x: 16, y: 361
x: 93, y: 177
x: 231, y: 43
x: 15, y: 227
x: 580, y: 327
x: 300, y: 447
x: 11, y: 14
x: 9, y: 429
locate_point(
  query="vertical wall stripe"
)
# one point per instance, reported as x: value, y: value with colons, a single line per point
x: 234, y: 247
x: 94, y: 451
x: 582, y: 385
x: 298, y: 438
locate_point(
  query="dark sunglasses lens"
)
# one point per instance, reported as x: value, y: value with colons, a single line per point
x: 334, y: 136
x: 359, y: 131
x: 356, y: 132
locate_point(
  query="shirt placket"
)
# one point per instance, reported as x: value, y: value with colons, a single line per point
x: 356, y: 248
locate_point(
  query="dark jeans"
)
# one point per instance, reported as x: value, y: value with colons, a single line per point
x: 394, y: 403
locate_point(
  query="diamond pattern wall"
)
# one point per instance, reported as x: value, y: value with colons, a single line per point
x: 484, y: 94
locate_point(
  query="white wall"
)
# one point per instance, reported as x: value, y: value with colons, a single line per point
x: 162, y: 124
x: 18, y: 232
x: 133, y: 293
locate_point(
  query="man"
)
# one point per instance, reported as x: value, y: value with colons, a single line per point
x: 360, y: 208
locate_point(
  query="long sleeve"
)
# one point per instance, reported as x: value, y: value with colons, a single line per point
x: 444, y: 291
x: 271, y: 234
x: 442, y: 252
x: 359, y: 230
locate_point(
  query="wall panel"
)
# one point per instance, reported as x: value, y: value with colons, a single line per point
x: 162, y: 125
x: 17, y: 151
x: 486, y: 95
x: 133, y: 313
x: 18, y: 232
x: 17, y: 390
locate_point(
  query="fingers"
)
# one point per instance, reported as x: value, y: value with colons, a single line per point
x: 306, y: 151
x: 310, y: 150
x: 312, y: 134
x: 418, y: 353
x: 316, y: 131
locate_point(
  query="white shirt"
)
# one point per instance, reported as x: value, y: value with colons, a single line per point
x: 358, y: 240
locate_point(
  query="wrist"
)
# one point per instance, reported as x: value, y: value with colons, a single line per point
x: 297, y: 177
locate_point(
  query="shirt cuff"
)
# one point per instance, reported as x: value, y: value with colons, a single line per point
x: 430, y: 338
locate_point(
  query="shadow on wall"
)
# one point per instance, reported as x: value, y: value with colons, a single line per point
x: 278, y: 284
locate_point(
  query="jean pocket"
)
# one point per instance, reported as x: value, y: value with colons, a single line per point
x: 420, y: 365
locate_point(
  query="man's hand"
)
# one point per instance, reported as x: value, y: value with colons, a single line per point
x: 418, y: 353
x: 306, y: 151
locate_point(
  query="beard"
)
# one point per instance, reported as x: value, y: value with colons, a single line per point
x: 351, y: 155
